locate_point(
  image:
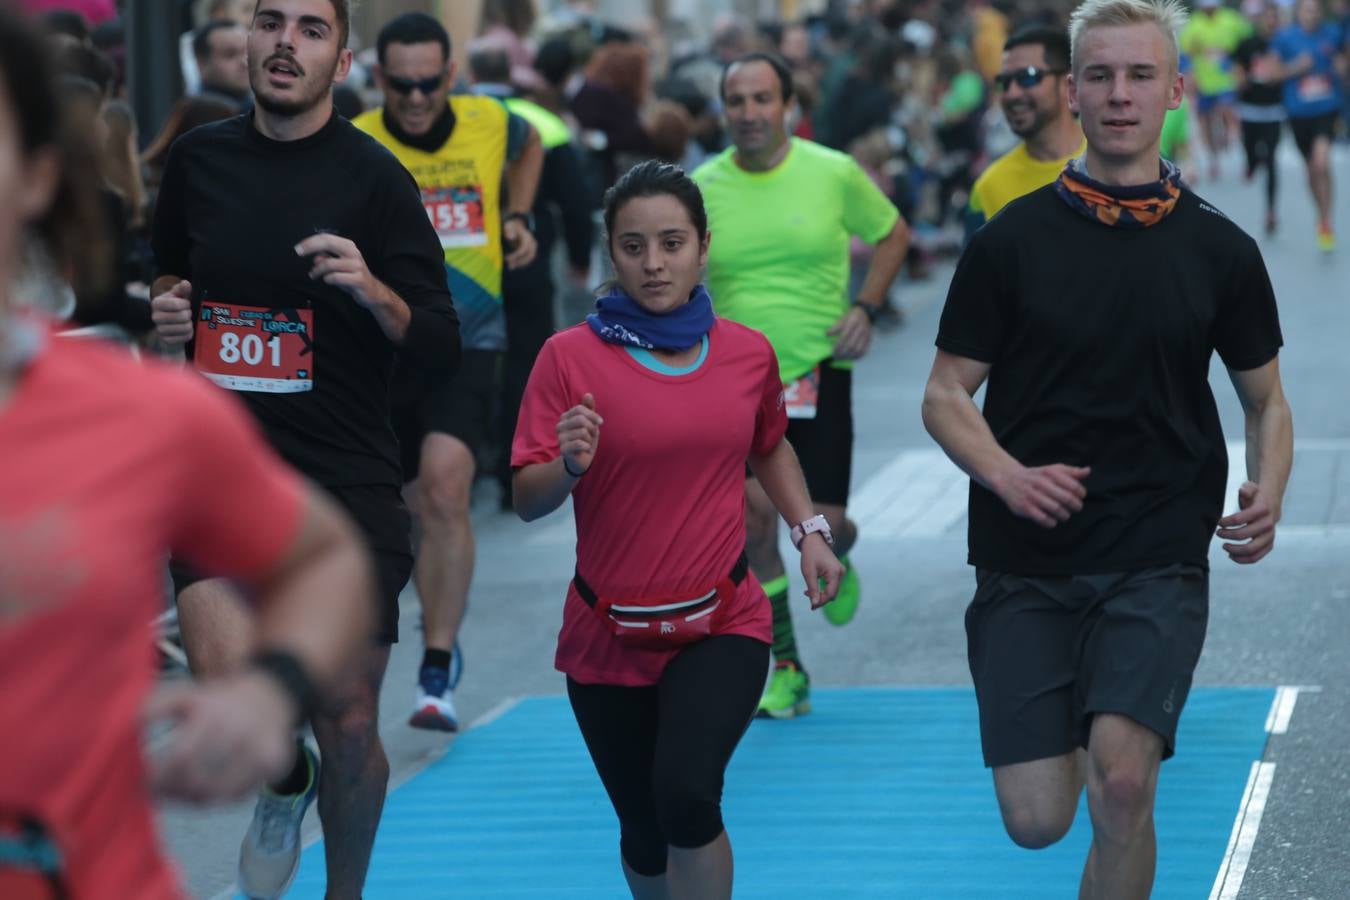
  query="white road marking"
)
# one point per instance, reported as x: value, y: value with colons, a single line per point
x: 921, y: 493
x: 1241, y: 842
x: 1282, y: 708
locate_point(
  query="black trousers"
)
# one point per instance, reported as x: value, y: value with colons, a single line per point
x: 1259, y: 140
x: 662, y: 751
x: 528, y: 297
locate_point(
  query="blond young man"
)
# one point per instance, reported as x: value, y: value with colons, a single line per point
x: 1098, y: 463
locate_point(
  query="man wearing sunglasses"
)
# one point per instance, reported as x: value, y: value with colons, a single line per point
x: 456, y: 149
x: 1032, y: 91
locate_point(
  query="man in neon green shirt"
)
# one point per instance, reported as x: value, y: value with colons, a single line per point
x: 1209, y: 41
x: 783, y: 211
x: 1034, y: 96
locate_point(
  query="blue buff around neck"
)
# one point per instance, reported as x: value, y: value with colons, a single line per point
x: 619, y: 319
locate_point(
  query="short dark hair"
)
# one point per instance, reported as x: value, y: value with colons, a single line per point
x: 655, y: 178
x: 555, y: 60
x: 412, y: 28
x: 780, y: 68
x: 341, y: 12
x: 1054, y: 41
x: 201, y: 41
x: 490, y: 65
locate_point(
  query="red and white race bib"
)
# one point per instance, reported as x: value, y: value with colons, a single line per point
x: 457, y: 214
x: 251, y: 348
x: 801, y: 396
x: 1312, y: 88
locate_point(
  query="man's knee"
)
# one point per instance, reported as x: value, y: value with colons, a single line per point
x: 1122, y: 774
x: 1123, y: 794
x: 1035, y: 826
x: 216, y: 626
x: 349, y: 737
x: 444, y: 481
x: 1039, y: 799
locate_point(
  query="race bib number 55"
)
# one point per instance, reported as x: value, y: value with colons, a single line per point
x: 249, y: 348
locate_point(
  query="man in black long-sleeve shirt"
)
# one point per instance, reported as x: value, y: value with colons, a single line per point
x: 296, y: 260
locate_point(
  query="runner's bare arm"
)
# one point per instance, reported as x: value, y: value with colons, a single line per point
x: 853, y: 332
x: 522, y: 174
x: 522, y: 183
x: 315, y: 606
x: 1269, y: 428
x: 1044, y: 494
x: 887, y: 259
x: 780, y: 475
x: 539, y: 489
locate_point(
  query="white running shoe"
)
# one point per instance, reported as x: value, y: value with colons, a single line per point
x: 270, y: 854
x: 434, y: 707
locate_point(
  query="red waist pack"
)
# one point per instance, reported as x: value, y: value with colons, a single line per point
x: 663, y: 623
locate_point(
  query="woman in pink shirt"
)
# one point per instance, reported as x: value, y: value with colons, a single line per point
x: 109, y: 466
x: 647, y: 415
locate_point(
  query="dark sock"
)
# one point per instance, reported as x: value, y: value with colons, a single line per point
x: 298, y: 781
x: 784, y: 637
x: 438, y: 659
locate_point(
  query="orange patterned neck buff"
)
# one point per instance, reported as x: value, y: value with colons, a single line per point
x: 1132, y: 206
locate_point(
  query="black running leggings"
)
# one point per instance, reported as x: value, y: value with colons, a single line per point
x: 1260, y: 139
x: 662, y: 750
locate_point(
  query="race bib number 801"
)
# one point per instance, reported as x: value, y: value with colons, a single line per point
x: 249, y: 348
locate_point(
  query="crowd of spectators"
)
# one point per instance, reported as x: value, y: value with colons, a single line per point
x: 904, y: 86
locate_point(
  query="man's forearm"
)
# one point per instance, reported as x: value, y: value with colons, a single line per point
x: 887, y: 259
x: 522, y: 176
x: 955, y: 422
x: 1270, y: 447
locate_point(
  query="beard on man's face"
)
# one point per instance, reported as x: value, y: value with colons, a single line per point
x: 306, y: 94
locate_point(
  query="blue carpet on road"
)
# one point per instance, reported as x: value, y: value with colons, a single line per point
x: 879, y: 793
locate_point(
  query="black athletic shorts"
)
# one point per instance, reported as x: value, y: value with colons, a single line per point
x: 460, y: 404
x: 1049, y: 653
x: 379, y: 513
x: 1308, y: 130
x: 825, y: 444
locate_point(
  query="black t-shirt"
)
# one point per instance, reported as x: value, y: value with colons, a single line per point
x: 1262, y: 88
x: 1099, y: 341
x: 232, y: 207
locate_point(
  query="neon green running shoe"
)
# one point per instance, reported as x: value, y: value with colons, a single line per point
x: 844, y: 606
x: 788, y: 694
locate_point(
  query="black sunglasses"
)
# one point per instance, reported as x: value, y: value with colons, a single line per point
x: 408, y: 85
x: 1026, y: 78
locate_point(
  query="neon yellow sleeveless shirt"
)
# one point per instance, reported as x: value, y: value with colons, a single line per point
x: 461, y: 190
